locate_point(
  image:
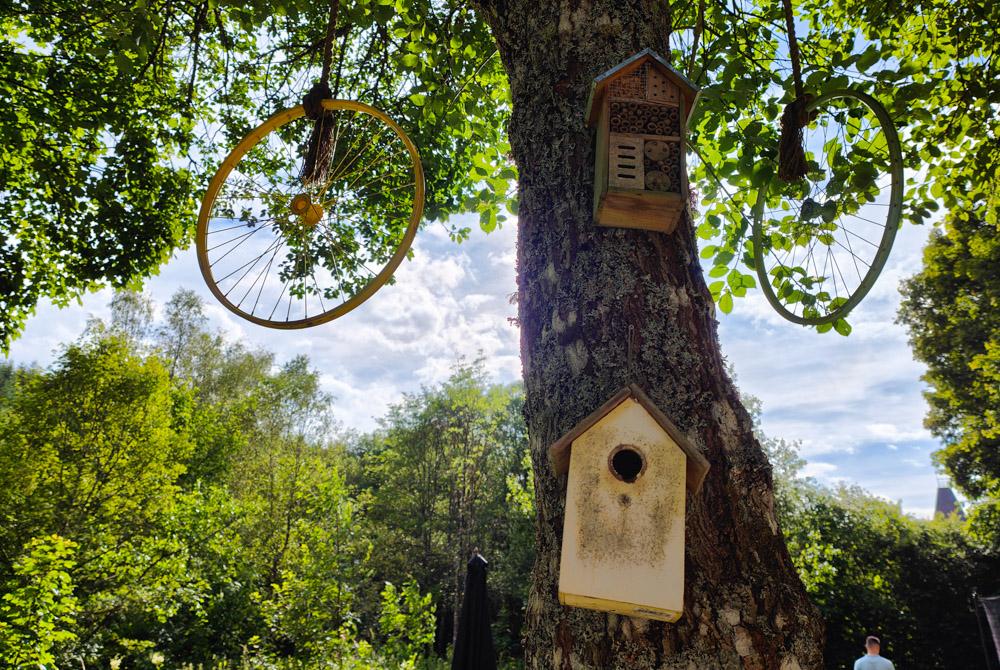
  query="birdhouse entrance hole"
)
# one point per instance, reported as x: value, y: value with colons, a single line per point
x: 627, y: 463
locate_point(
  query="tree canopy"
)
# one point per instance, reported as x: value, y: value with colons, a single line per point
x: 218, y: 515
x: 116, y: 114
x: 200, y: 504
x: 873, y: 570
x: 952, y: 310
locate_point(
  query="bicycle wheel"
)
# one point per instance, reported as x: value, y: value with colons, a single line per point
x: 820, y: 243
x: 286, y: 253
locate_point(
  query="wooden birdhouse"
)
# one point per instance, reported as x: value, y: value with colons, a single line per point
x: 623, y: 533
x: 640, y: 109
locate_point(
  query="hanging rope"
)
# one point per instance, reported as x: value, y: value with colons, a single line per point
x: 320, y: 149
x: 792, y: 164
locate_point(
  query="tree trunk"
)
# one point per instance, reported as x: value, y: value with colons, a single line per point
x: 600, y: 308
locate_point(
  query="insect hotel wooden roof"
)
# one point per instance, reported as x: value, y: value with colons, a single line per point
x: 600, y: 85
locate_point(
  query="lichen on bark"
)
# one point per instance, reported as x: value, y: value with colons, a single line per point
x: 600, y: 308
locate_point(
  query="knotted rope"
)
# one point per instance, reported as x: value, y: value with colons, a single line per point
x: 321, y: 145
x: 792, y: 164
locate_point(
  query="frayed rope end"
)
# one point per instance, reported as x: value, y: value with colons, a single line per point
x: 320, y: 149
x: 792, y: 165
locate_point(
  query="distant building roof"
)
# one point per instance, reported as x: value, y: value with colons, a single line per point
x: 946, y: 503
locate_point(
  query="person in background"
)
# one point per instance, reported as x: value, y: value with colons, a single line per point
x: 872, y: 660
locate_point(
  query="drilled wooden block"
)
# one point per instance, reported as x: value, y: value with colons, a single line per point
x: 661, y: 89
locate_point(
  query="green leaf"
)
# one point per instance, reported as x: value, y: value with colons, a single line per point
x: 868, y: 58
x: 724, y: 258
x: 706, y: 231
x: 488, y: 219
x: 762, y: 174
x: 842, y: 327
x: 726, y: 303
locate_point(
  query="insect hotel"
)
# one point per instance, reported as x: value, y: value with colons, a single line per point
x: 623, y: 533
x: 640, y: 109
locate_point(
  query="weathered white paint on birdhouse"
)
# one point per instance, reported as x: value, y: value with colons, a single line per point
x: 640, y: 109
x: 623, y: 533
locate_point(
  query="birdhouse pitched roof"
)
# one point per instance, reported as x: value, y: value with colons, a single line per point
x: 600, y: 85
x: 697, y: 464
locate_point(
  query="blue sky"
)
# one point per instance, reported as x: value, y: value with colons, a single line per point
x: 854, y: 402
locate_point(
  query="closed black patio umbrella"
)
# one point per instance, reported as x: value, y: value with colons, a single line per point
x: 474, y: 642
x: 991, y: 608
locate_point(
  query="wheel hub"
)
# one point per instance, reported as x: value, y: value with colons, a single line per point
x: 303, y: 207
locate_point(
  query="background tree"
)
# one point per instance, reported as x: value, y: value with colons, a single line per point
x: 131, y: 315
x: 278, y: 546
x: 91, y: 451
x: 437, y: 475
x: 872, y: 570
x: 952, y: 310
x: 37, y: 611
x: 6, y: 379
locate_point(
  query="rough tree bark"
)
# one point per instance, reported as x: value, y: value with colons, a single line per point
x: 600, y: 308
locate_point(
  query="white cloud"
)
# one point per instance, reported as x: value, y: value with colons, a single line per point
x: 853, y: 402
x: 818, y: 469
x: 921, y: 512
x: 896, y: 433
x: 447, y: 302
